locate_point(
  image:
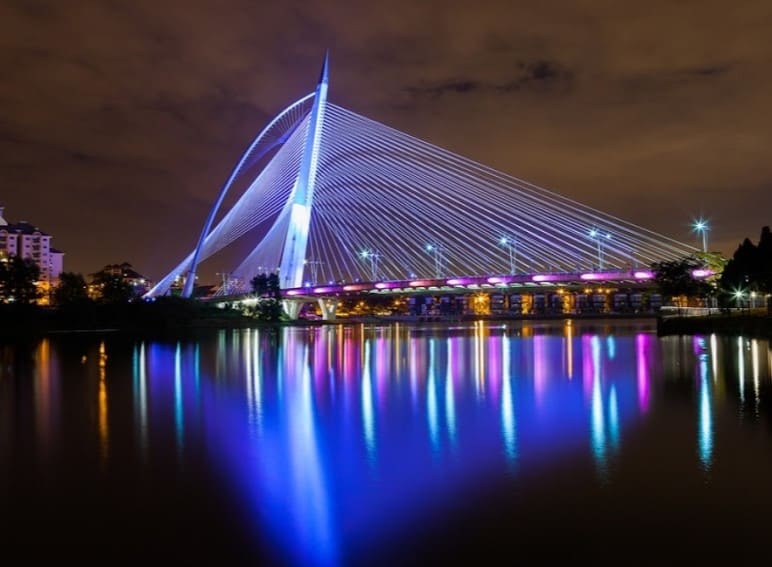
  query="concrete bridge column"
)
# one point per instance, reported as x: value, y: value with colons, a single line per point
x: 328, y: 306
x: 292, y: 307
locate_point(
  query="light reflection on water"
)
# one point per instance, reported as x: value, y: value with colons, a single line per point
x: 335, y: 437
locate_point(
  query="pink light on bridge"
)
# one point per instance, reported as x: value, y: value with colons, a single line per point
x: 460, y: 281
x: 702, y: 273
x: 643, y: 275
x: 326, y: 289
x: 544, y: 278
x: 421, y: 283
x: 388, y: 285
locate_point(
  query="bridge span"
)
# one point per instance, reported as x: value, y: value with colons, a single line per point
x: 333, y: 196
x: 611, y: 291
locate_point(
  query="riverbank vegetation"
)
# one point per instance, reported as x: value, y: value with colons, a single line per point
x: 736, y: 298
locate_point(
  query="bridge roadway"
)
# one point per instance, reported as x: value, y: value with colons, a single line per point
x: 326, y: 295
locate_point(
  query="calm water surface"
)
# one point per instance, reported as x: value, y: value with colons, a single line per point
x: 393, y: 445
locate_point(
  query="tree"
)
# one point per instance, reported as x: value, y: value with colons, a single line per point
x: 72, y: 289
x: 750, y: 268
x: 113, y: 288
x: 18, y: 280
x: 268, y: 291
x: 674, y: 278
x: 266, y: 285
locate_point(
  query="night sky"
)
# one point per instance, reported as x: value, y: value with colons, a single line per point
x: 120, y: 119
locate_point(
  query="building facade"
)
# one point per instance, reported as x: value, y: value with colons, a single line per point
x: 28, y: 241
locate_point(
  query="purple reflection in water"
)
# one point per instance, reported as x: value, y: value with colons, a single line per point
x: 324, y: 473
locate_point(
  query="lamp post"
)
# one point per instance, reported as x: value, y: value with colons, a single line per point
x: 436, y: 250
x: 701, y: 226
x: 373, y: 257
x: 596, y: 235
x: 511, y: 245
x: 739, y: 294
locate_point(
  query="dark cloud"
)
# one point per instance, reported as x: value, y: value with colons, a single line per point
x: 710, y: 71
x: 452, y: 86
x: 120, y: 120
x: 537, y: 74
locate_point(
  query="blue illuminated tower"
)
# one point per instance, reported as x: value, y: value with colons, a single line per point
x: 294, y: 251
x: 293, y: 255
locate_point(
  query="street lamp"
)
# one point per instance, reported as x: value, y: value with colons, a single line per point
x: 599, y: 237
x: 738, y: 297
x: 511, y: 245
x: 701, y: 226
x: 436, y: 250
x: 373, y: 257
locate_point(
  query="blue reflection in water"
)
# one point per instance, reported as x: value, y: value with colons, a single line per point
x: 613, y: 418
x: 508, y: 427
x: 350, y: 444
x: 611, y: 347
x: 598, y: 435
x: 368, y: 413
x: 179, y: 412
x: 705, y: 425
x: 139, y: 385
x: 431, y: 398
x: 450, y: 403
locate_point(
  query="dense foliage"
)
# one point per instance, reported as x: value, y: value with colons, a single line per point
x: 18, y: 280
x: 113, y: 288
x: 750, y: 269
x: 268, y: 291
x: 675, y: 278
x: 72, y: 290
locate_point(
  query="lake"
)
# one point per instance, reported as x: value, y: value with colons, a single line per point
x: 525, y: 442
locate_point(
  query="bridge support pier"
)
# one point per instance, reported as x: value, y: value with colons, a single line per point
x: 328, y: 307
x: 292, y: 307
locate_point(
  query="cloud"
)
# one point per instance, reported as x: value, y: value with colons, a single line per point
x: 643, y: 110
x: 533, y: 75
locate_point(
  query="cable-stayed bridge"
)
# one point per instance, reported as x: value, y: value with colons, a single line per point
x: 342, y: 199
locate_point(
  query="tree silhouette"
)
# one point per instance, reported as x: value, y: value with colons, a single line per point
x: 18, y: 279
x: 674, y: 278
x: 268, y: 306
x: 72, y: 289
x: 750, y: 269
x: 113, y: 288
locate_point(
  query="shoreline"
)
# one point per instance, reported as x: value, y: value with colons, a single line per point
x: 756, y: 325
x: 172, y: 324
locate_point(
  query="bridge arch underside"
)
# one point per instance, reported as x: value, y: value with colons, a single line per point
x: 389, y: 207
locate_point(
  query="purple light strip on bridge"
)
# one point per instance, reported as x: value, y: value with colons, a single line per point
x: 474, y: 281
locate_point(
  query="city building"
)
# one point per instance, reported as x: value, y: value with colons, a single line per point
x: 28, y: 241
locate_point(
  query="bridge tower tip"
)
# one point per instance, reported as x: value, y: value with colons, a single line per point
x: 324, y: 75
